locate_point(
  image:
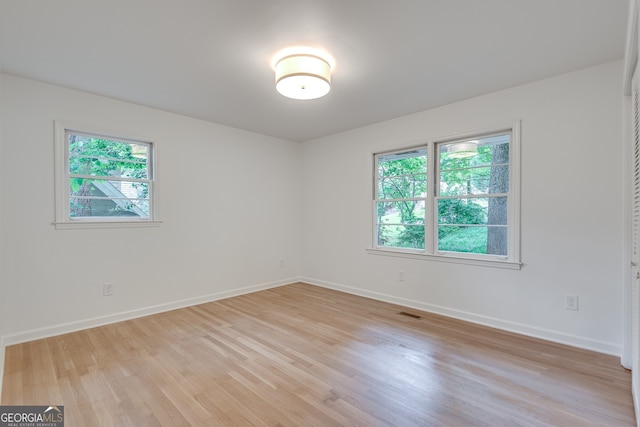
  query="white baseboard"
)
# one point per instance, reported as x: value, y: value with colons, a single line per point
x: 532, y: 331
x: 64, y: 328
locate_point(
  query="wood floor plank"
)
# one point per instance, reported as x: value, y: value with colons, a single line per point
x: 302, y: 355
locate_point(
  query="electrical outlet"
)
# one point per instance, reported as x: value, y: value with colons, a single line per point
x: 107, y: 289
x: 401, y: 274
x: 571, y: 302
x: 281, y: 262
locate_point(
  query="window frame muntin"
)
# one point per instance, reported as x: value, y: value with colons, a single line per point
x: 62, y: 214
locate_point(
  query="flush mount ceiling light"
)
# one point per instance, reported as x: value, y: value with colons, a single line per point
x: 461, y: 150
x: 302, y: 75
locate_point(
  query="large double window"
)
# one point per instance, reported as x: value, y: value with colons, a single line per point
x: 455, y: 199
x: 101, y: 178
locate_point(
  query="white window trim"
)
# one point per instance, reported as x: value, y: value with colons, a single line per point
x: 512, y: 260
x: 63, y: 219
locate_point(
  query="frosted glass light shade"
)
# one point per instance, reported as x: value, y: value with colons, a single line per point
x: 303, y: 76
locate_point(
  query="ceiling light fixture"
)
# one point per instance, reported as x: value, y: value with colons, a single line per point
x: 303, y: 75
x: 462, y: 150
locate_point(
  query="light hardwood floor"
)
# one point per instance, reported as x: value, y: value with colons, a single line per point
x: 300, y: 355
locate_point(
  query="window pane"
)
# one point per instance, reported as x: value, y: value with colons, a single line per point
x: 401, y: 236
x: 480, y: 211
x: 402, y: 187
x: 479, y: 166
x: 90, y: 145
x: 107, y: 167
x: 109, y: 189
x: 99, y: 197
x: 401, y: 224
x: 472, y: 239
x: 489, y: 150
x: 402, y: 175
x: 104, y: 157
x: 462, y: 239
x: 405, y: 212
x: 472, y: 181
x: 88, y: 207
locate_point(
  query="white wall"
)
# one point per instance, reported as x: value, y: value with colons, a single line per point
x: 233, y: 203
x: 572, y: 201
x: 228, y: 200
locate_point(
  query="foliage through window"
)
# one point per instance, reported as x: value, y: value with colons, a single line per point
x: 104, y: 178
x: 401, y: 198
x: 450, y: 198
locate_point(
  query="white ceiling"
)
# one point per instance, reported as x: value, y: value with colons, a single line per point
x: 211, y: 59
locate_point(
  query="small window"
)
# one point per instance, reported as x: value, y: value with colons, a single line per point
x: 451, y: 199
x: 102, y: 178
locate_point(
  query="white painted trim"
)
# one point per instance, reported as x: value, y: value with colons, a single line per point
x: 519, y: 328
x: 446, y: 258
x: 64, y: 328
x: 630, y: 341
x: 92, y: 223
x: 631, y: 48
x: 626, y: 357
x: 636, y: 401
x: 2, y: 351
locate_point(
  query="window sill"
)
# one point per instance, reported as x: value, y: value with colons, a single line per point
x: 510, y: 265
x: 88, y: 224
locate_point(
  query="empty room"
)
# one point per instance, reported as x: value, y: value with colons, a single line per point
x: 319, y: 212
